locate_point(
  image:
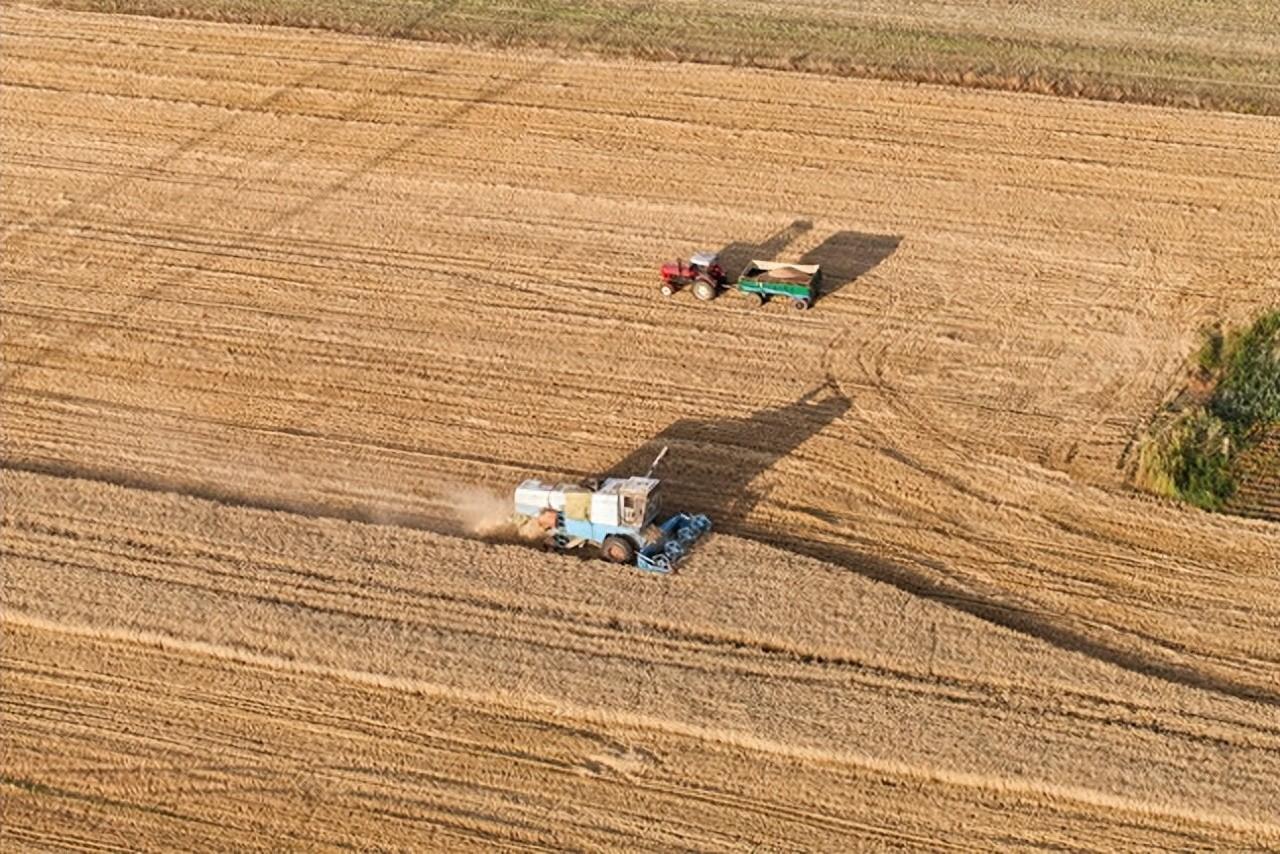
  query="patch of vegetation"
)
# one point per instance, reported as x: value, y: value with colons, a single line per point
x: 1191, y: 451
x: 1178, y: 70
x: 1189, y: 457
x: 1247, y: 396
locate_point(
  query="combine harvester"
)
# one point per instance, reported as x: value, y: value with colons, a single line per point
x: 618, y: 516
x: 761, y: 281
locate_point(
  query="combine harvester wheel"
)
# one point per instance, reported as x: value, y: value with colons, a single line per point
x: 618, y: 549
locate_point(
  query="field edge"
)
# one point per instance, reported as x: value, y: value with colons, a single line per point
x: 909, y: 52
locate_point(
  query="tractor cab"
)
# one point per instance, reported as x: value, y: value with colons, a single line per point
x: 702, y: 270
x: 707, y: 261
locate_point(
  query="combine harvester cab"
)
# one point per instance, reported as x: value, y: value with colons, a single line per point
x: 619, y: 518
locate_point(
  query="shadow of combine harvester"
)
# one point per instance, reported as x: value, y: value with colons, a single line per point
x: 713, y: 462
x: 715, y: 466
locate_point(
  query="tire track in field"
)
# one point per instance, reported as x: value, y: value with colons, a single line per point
x: 558, y: 710
x: 135, y: 301
x: 653, y: 777
x: 487, y: 95
x: 985, y: 602
x: 992, y: 607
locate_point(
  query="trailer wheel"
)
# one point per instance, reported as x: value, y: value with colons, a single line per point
x: 618, y: 549
x: 800, y: 304
x: 704, y: 290
x: 757, y: 299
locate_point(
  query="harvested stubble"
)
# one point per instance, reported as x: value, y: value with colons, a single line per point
x: 256, y: 675
x: 1212, y: 54
x: 223, y: 260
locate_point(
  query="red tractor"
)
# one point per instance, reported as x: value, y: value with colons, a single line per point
x: 703, y: 272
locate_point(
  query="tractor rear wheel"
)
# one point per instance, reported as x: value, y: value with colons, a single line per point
x: 618, y: 549
x: 704, y: 290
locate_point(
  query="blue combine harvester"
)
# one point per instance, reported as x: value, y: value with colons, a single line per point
x: 618, y: 516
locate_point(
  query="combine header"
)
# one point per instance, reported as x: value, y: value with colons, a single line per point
x: 618, y: 516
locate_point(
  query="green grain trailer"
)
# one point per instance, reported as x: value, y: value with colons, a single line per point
x: 764, y: 280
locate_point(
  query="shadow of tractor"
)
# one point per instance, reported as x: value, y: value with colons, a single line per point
x: 713, y: 462
x: 735, y: 257
x: 844, y: 255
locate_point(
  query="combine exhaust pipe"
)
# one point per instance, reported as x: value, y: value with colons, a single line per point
x: 653, y: 465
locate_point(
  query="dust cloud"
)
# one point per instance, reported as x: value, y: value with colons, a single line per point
x: 491, y: 516
x: 484, y: 513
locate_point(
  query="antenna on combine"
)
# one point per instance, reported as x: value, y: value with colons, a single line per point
x: 656, y: 460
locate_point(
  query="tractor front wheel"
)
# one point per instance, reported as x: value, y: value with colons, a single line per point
x: 618, y: 549
x: 704, y: 290
x: 668, y: 289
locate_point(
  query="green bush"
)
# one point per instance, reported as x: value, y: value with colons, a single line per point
x: 1248, y: 394
x: 1210, y: 356
x: 1189, y: 458
x: 1189, y: 453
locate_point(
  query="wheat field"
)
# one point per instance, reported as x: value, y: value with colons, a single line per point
x: 281, y: 307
